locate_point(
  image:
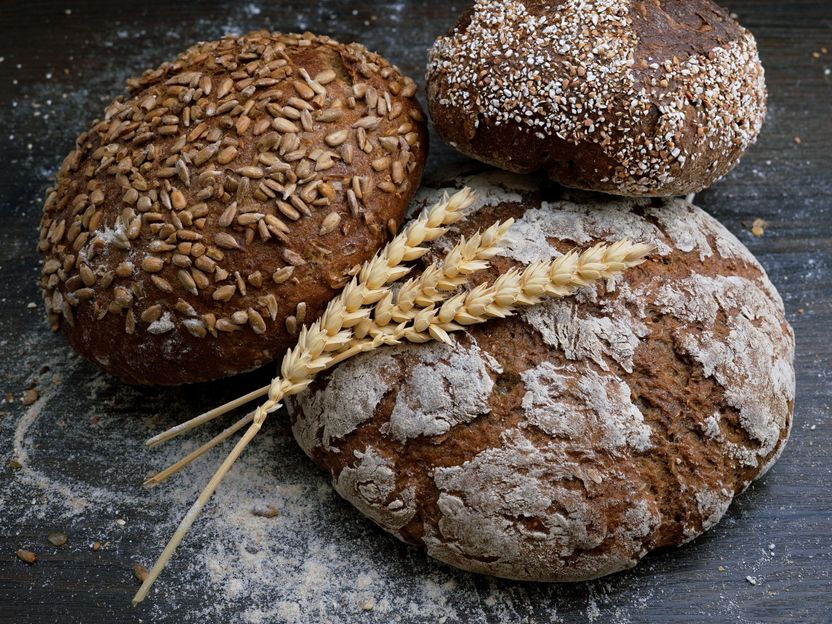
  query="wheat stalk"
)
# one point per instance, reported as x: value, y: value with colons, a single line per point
x: 467, y: 257
x: 519, y: 288
x: 331, y: 338
x: 433, y: 285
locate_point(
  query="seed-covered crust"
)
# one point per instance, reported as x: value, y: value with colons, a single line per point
x: 567, y: 442
x: 212, y: 212
x: 628, y: 97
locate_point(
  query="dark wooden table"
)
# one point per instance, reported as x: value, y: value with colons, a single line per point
x: 72, y: 461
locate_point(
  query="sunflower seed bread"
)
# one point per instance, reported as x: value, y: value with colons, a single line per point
x: 628, y: 97
x: 567, y: 442
x: 219, y: 206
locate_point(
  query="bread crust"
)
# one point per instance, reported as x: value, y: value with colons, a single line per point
x: 567, y: 442
x: 225, y: 201
x: 628, y: 97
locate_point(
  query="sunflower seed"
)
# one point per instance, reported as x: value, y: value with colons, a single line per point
x: 205, y: 154
x: 228, y: 215
x: 152, y: 314
x: 293, y: 257
x: 387, y: 187
x: 367, y: 123
x: 284, y: 125
x: 325, y: 77
x: 328, y: 115
x: 380, y: 164
x: 122, y: 296
x: 243, y: 122
x: 224, y: 325
x: 161, y: 283
x: 124, y: 269
x: 352, y: 201
x: 300, y: 205
x: 195, y: 327
x: 255, y: 279
x: 187, y: 281
x: 335, y: 139
x: 227, y: 155
x: 226, y: 241
x: 87, y: 276
x: 181, y: 260
x: 329, y: 223
x: 283, y: 274
x: 398, y: 172
x: 303, y: 90
x: 152, y: 264
x: 185, y: 308
x: 251, y: 172
x: 224, y: 293
x: 130, y: 322
x: 291, y: 325
x: 204, y: 263
x: 255, y: 320
x: 249, y: 218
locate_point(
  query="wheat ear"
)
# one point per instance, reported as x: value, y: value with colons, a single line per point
x: 516, y: 288
x: 384, y: 268
x: 330, y: 333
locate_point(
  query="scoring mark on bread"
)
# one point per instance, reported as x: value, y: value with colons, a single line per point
x: 566, y: 403
x: 448, y: 385
x: 752, y: 350
x: 371, y: 485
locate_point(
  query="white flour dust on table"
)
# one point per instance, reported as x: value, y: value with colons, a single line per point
x: 276, y: 544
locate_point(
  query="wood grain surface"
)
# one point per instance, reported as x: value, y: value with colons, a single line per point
x: 73, y: 460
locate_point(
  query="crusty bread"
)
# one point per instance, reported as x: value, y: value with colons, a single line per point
x: 567, y: 442
x: 197, y: 226
x: 629, y: 97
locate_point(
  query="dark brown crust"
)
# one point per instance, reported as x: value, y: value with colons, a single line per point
x: 669, y: 387
x: 666, y: 31
x: 323, y: 254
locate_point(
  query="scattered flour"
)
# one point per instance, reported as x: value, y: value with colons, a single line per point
x: 316, y: 561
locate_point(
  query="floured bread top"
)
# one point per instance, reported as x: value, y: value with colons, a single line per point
x: 657, y: 87
x: 570, y: 440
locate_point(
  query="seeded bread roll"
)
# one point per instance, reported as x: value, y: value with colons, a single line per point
x: 225, y: 201
x: 629, y: 97
x: 565, y: 443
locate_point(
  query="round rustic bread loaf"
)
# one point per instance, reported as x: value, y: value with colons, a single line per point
x: 194, y: 229
x: 567, y: 442
x: 629, y: 97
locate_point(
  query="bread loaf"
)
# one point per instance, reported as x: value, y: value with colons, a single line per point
x: 567, y: 442
x: 629, y: 97
x: 219, y: 206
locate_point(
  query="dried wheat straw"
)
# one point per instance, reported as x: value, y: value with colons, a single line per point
x: 433, y: 285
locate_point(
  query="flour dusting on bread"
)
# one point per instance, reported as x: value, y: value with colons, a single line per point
x: 570, y: 440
